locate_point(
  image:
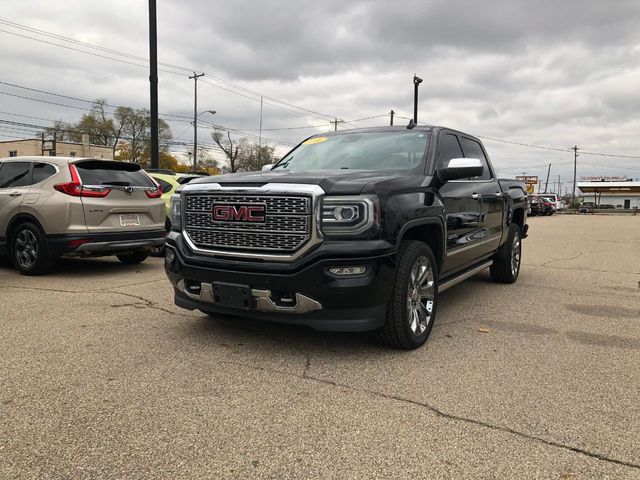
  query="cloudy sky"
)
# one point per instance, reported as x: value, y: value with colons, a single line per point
x: 553, y: 74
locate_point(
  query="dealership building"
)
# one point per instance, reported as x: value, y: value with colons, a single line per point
x: 614, y: 192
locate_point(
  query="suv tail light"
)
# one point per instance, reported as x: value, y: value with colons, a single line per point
x: 76, y: 189
x: 157, y: 193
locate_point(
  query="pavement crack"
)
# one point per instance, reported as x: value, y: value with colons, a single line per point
x: 305, y: 354
x: 144, y: 303
x: 560, y: 260
x: 440, y: 413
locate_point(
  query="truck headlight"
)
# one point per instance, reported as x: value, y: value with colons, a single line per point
x: 349, y: 215
x: 176, y: 213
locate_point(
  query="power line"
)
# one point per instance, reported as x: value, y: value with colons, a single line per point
x: 530, y: 145
x: 78, y: 99
x: 142, y: 59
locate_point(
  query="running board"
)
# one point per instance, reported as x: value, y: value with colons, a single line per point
x: 469, y: 273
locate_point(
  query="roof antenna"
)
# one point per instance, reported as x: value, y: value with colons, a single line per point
x: 411, y: 125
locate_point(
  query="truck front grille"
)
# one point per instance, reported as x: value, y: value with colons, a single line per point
x: 286, y: 228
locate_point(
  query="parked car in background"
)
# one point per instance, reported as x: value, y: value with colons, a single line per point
x: 52, y: 207
x: 170, y: 181
x: 552, y: 198
x: 548, y: 206
x: 586, y: 207
x: 540, y: 206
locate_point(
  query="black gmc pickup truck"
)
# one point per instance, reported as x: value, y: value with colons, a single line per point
x: 351, y: 231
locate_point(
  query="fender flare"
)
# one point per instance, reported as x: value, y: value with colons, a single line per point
x: 20, y: 218
x: 419, y: 222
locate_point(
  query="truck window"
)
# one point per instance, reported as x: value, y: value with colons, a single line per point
x: 472, y: 149
x: 448, y: 148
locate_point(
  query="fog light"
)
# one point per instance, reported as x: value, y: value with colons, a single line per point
x: 342, y: 271
x: 169, y: 256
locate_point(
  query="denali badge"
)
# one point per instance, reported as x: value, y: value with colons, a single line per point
x: 237, y: 212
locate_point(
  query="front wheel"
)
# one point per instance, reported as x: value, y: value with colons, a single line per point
x: 412, y: 309
x: 133, y: 258
x: 506, y: 261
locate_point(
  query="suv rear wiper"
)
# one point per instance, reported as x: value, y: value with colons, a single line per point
x: 119, y: 184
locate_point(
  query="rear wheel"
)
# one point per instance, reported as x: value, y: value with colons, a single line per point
x: 133, y: 258
x: 29, y: 251
x: 506, y: 261
x: 412, y: 310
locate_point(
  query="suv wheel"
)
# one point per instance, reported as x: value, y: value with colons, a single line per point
x: 29, y: 251
x: 506, y: 261
x: 412, y: 310
x: 133, y: 258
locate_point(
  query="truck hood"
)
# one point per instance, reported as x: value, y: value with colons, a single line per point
x: 333, y: 182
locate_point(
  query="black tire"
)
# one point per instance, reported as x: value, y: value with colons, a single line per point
x: 506, y: 261
x: 133, y: 258
x: 399, y: 331
x: 29, y: 250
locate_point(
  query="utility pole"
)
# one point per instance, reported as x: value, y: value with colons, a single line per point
x: 416, y: 82
x: 195, y: 77
x: 575, y: 164
x: 546, y: 185
x: 335, y: 124
x: 153, y: 82
x: 392, y: 113
x: 558, y: 189
x: 260, y: 136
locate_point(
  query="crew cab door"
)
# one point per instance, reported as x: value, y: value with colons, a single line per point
x: 492, y: 200
x: 462, y: 208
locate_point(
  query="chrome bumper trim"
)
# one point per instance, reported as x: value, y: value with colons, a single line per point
x: 262, y: 298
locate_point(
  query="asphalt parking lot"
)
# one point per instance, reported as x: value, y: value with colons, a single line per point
x: 102, y: 377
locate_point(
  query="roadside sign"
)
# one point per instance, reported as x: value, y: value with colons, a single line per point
x: 528, y: 179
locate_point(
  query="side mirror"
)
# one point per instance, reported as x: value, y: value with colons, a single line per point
x: 458, y: 168
x: 267, y: 167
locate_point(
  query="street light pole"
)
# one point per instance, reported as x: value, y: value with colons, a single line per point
x: 416, y: 82
x: 195, y: 77
x: 575, y: 163
x: 153, y: 82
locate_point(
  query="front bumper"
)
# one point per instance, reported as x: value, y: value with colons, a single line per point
x: 102, y: 244
x: 308, y: 295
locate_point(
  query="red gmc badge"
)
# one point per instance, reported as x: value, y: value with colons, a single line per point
x: 239, y: 212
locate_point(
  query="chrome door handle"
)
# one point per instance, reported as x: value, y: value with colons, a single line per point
x: 15, y: 194
x: 476, y: 196
x: 499, y: 194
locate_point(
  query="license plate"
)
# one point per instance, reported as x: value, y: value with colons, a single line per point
x: 129, y: 220
x: 232, y: 295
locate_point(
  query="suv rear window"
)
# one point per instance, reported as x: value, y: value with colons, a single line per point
x: 100, y: 172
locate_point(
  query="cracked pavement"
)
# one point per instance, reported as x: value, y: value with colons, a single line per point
x: 103, y: 377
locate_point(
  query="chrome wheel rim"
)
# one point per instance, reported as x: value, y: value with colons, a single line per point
x: 26, y: 249
x: 515, y: 255
x: 420, y: 295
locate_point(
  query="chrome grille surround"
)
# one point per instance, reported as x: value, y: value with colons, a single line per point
x: 290, y: 230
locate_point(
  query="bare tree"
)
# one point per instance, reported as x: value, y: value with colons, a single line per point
x: 231, y: 148
x: 254, y: 157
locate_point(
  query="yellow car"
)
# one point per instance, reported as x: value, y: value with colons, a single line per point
x: 170, y: 181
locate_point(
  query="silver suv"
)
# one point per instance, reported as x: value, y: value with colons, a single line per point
x: 58, y: 206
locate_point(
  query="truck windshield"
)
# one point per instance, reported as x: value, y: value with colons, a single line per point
x: 397, y: 150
